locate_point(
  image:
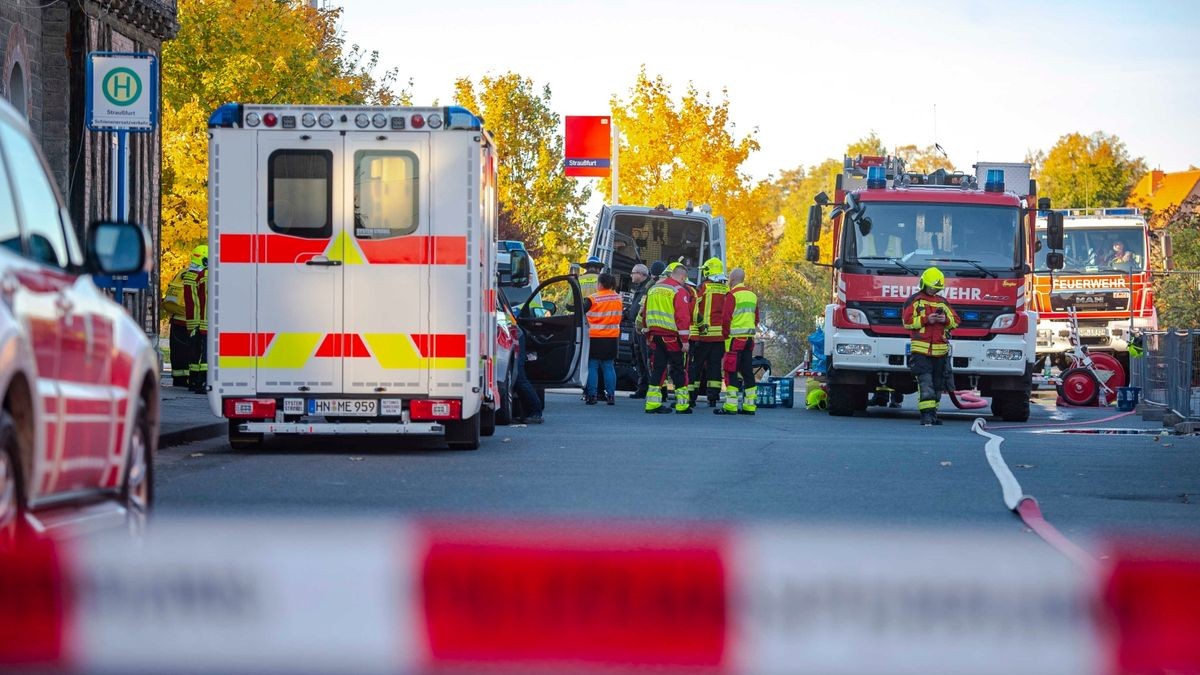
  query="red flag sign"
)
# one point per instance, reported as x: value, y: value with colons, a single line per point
x: 588, y: 146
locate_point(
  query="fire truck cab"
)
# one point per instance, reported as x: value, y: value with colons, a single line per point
x: 352, y: 280
x: 889, y: 225
x: 1105, y: 278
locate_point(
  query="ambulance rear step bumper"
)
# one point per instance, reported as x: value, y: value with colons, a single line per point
x: 345, y: 428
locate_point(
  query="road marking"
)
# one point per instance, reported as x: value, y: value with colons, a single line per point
x: 1025, y: 506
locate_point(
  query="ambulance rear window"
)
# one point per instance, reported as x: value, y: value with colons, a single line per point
x: 299, y: 193
x: 385, y: 193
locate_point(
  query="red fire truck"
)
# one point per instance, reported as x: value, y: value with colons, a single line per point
x: 1106, y: 280
x: 889, y: 225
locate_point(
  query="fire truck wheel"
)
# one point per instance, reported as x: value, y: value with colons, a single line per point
x: 842, y: 399
x: 487, y: 420
x: 1011, y: 406
x: 463, y: 434
x: 243, y: 441
x: 1079, y: 387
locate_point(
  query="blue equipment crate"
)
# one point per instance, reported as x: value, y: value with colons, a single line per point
x: 784, y: 387
x: 765, y: 391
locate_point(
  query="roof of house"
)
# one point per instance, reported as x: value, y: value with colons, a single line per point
x: 1160, y: 190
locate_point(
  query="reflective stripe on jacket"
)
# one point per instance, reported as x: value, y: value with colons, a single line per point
x: 930, y: 339
x: 668, y: 309
x: 710, y: 309
x: 604, y: 315
x: 588, y: 284
x: 195, y: 298
x: 741, y: 313
x: 172, y: 302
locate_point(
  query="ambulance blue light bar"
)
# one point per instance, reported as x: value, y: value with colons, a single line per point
x: 1121, y: 212
x: 458, y: 117
x: 227, y: 116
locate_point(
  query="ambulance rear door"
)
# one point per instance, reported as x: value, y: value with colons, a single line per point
x: 300, y: 286
x: 387, y: 250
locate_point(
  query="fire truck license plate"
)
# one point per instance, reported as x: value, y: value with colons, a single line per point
x: 1092, y: 331
x: 350, y: 407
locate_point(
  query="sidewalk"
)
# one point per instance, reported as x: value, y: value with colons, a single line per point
x: 185, y: 417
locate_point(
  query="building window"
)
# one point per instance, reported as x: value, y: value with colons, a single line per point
x: 16, y: 89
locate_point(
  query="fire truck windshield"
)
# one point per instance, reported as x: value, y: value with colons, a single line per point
x: 959, y: 237
x: 1088, y: 250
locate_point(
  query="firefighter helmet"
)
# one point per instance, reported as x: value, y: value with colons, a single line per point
x: 933, y: 279
x: 712, y: 267
x: 200, y: 255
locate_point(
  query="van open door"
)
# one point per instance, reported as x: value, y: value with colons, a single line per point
x: 555, y: 333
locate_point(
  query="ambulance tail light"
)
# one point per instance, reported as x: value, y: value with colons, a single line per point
x: 423, y: 410
x: 250, y: 408
x: 227, y: 116
x: 417, y: 121
x: 270, y: 119
x: 459, y: 118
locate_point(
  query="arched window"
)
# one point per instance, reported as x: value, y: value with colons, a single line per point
x: 16, y: 88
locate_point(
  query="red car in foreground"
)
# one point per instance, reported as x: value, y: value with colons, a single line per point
x: 78, y: 377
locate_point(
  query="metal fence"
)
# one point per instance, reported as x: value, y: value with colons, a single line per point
x: 1168, y: 373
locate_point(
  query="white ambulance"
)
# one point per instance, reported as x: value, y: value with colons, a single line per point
x: 352, y: 278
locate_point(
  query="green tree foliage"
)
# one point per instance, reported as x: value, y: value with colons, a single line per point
x: 539, y: 205
x: 254, y: 51
x: 1087, y: 171
x: 925, y: 159
x: 1175, y: 293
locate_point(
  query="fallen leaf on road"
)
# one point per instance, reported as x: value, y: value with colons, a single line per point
x: 1156, y: 439
x: 356, y: 459
x: 196, y: 454
x: 945, y: 463
x: 1167, y: 445
x: 1025, y: 466
x: 519, y: 426
x: 506, y: 440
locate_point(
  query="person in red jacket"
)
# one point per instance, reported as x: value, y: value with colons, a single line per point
x: 929, y: 319
x: 667, y: 317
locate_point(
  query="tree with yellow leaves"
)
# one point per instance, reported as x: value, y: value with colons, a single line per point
x: 539, y: 205
x: 255, y: 51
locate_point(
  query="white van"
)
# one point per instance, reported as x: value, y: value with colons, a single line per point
x: 352, y: 278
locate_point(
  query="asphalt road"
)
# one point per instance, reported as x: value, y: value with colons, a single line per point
x: 783, y: 464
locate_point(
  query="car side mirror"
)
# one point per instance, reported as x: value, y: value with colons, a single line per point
x: 518, y: 270
x: 1054, y: 230
x: 814, y: 223
x: 1043, y: 204
x: 1054, y: 260
x: 813, y: 253
x: 117, y: 248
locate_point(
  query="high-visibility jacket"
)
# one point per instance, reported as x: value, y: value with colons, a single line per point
x: 741, y: 313
x: 604, y: 315
x: 172, y: 302
x: 195, y: 298
x: 668, y: 310
x: 710, y: 311
x: 588, y: 284
x: 931, y: 339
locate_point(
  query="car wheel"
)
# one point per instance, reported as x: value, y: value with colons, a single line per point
x: 487, y: 420
x: 504, y: 413
x: 10, y: 484
x: 138, y: 492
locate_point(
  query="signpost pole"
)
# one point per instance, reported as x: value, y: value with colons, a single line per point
x: 119, y: 216
x: 616, y: 146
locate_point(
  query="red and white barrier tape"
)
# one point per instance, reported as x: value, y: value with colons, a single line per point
x: 372, y: 597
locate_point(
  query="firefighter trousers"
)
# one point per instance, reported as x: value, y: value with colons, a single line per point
x: 181, y: 354
x: 739, y: 375
x: 933, y: 379
x: 668, y: 358
x: 198, y: 370
x: 705, y: 371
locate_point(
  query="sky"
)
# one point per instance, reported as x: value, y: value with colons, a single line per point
x: 810, y: 77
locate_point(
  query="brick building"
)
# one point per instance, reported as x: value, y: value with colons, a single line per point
x: 43, y: 60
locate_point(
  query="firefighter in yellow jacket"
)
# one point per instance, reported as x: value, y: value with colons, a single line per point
x: 930, y: 318
x: 178, y: 338
x: 195, y: 305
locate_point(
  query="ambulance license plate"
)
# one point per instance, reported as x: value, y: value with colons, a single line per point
x: 343, y: 407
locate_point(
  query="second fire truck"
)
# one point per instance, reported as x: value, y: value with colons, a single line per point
x: 889, y: 225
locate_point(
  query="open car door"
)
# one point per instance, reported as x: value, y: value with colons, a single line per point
x: 555, y: 337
